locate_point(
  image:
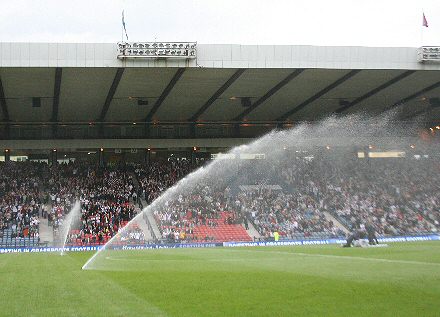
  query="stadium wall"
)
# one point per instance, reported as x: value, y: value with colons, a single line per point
x: 216, y: 56
x: 210, y: 245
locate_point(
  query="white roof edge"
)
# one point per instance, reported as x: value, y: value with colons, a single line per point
x: 216, y: 56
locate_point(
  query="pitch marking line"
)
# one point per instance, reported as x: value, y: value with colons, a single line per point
x: 177, y: 260
x: 277, y: 252
x: 351, y: 257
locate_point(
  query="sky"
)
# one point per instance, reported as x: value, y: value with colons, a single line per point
x: 283, y: 22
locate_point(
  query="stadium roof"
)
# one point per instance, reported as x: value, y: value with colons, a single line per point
x: 225, y: 83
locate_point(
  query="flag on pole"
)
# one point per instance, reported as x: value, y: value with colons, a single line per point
x: 123, y: 24
x: 425, y: 22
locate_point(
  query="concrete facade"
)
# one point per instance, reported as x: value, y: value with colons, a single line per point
x: 216, y: 56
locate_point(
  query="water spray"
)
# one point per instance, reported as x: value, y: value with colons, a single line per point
x: 70, y: 220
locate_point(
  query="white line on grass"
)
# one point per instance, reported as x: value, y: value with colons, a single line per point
x: 178, y: 260
x: 345, y: 257
x: 348, y: 257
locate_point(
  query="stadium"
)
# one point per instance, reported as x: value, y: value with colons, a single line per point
x: 186, y: 179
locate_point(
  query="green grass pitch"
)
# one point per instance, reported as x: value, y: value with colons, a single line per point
x: 401, y: 280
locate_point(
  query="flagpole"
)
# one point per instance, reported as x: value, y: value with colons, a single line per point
x: 421, y: 32
x: 124, y: 29
x: 424, y: 24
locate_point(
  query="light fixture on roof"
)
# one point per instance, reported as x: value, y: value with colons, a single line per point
x: 434, y: 102
x: 246, y: 102
x: 36, y: 102
x: 101, y: 149
x: 328, y: 147
x: 344, y: 103
x: 182, y: 50
x: 142, y: 102
x: 428, y: 54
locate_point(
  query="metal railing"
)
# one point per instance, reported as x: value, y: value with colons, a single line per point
x: 129, y: 130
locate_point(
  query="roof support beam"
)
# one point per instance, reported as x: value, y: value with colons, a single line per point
x: 418, y: 113
x: 414, y: 95
x: 56, y: 100
x: 428, y: 111
x: 5, y: 111
x: 318, y: 95
x: 3, y: 103
x: 164, y: 94
x: 269, y: 94
x: 111, y: 93
x: 56, y: 94
x: 217, y: 94
x: 375, y: 91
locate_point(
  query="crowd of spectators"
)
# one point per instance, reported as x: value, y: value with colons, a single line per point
x: 106, y: 205
x: 64, y: 183
x: 290, y: 214
x: 156, y: 177
x: 21, y: 198
x: 396, y: 196
x: 178, y: 216
x: 106, y: 196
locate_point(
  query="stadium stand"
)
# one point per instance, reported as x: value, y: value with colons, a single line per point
x: 201, y: 215
x: 106, y: 197
x: 397, y: 198
x: 20, y: 203
x: 156, y: 177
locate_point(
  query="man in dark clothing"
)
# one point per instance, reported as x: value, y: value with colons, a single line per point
x: 371, y: 233
x: 356, y: 235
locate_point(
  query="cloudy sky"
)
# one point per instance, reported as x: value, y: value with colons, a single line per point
x: 315, y: 22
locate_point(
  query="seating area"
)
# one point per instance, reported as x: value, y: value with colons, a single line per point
x: 398, y: 198
x: 222, y: 230
x: 75, y: 237
x: 156, y: 177
x: 20, y: 202
x: 8, y: 239
x: 134, y: 235
x: 210, y: 229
